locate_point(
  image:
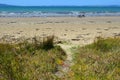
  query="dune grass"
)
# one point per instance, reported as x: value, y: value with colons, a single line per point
x: 40, y: 60
x: 30, y: 61
x: 98, y: 61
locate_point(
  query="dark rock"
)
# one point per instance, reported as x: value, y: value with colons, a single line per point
x: 80, y: 16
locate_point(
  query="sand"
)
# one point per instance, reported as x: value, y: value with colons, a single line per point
x: 73, y: 29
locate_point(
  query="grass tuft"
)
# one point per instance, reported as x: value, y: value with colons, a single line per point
x: 48, y: 43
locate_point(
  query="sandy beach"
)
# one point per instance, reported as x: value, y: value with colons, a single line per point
x: 76, y: 30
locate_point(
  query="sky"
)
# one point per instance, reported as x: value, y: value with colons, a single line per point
x: 60, y: 2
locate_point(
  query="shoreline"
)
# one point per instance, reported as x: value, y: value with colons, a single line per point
x: 60, y: 16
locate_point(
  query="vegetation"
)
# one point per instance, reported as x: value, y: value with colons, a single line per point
x: 40, y: 60
x: 30, y: 61
x: 98, y: 61
x: 48, y: 42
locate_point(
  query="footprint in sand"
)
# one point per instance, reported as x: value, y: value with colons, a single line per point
x: 98, y: 29
x: 72, y: 30
x: 66, y: 29
x: 106, y: 29
x: 91, y: 21
x: 48, y: 28
x: 83, y: 28
x: 99, y: 32
x: 21, y: 31
x: 37, y: 29
x: 116, y: 34
x: 65, y: 34
x: 75, y: 39
x: 113, y: 27
x: 108, y: 21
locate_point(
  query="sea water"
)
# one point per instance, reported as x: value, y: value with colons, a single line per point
x: 58, y: 11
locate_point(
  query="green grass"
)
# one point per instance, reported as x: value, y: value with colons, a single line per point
x: 30, y: 61
x: 98, y: 61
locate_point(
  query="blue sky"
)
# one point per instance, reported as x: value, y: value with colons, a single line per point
x: 60, y: 2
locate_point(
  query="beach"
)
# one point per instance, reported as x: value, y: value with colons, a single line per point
x: 70, y: 41
x: 73, y: 29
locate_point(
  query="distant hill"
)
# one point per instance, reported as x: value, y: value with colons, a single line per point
x: 68, y: 6
x: 5, y: 5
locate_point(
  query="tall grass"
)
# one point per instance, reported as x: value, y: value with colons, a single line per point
x: 98, y: 61
x: 48, y: 42
x: 30, y: 61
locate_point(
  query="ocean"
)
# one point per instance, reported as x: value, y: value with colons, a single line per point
x: 58, y: 11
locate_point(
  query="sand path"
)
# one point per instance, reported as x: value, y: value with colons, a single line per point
x: 65, y: 68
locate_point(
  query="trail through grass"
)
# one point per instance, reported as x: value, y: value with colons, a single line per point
x: 65, y: 68
x: 97, y: 61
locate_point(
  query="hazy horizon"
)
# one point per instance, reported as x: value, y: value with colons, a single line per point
x: 61, y: 5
